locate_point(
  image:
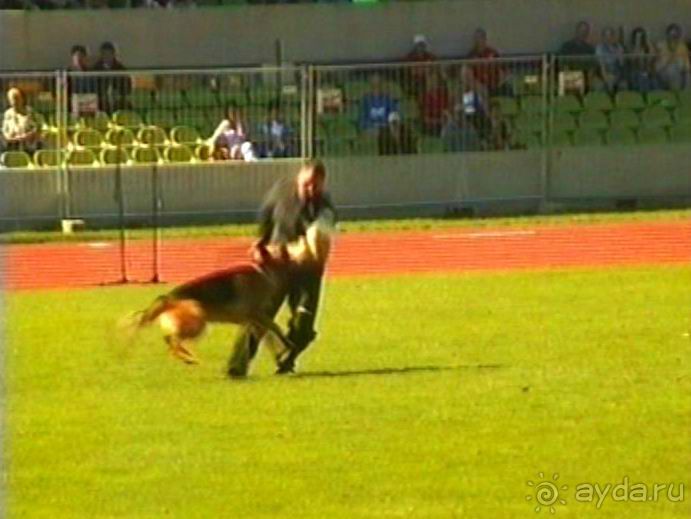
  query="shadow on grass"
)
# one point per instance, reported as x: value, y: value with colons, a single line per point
x: 393, y: 371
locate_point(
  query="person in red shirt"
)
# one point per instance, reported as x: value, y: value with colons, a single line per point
x: 492, y: 75
x: 415, y: 78
x: 434, y: 102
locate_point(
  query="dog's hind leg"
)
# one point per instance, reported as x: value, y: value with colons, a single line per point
x: 265, y: 324
x: 177, y: 349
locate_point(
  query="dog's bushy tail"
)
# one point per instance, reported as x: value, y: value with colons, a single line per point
x: 131, y: 323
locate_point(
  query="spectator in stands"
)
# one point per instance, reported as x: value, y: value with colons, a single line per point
x: 415, y: 78
x: 434, y: 103
x: 610, y: 57
x: 672, y: 64
x: 277, y: 137
x: 468, y: 125
x: 397, y: 138
x: 493, y: 75
x: 580, y: 44
x: 20, y: 130
x: 79, y: 84
x: 640, y: 65
x: 376, y: 106
x: 229, y: 141
x: 112, y: 89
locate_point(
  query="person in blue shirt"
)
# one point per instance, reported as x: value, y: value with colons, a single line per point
x: 376, y: 106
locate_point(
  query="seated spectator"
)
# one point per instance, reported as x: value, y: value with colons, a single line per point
x: 277, y: 136
x: 434, y: 103
x: 672, y: 63
x: 578, y: 47
x: 493, y: 75
x: 397, y: 138
x: 610, y: 56
x: 112, y: 90
x: 415, y: 77
x: 20, y: 130
x: 79, y: 62
x: 376, y: 106
x: 468, y: 124
x: 229, y: 141
x: 640, y: 65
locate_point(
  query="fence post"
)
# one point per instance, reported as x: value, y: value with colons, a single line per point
x: 61, y: 121
x: 547, y: 92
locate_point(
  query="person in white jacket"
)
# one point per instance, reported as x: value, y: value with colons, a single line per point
x: 229, y: 141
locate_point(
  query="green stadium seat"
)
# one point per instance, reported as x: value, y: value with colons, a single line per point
x: 203, y: 152
x: 656, y: 116
x: 99, y: 121
x: 127, y: 119
x: 529, y: 122
x: 663, y: 98
x: 366, y: 144
x: 237, y: 97
x: 177, y: 153
x: 84, y: 157
x: 195, y: 119
x: 681, y: 133
x: 528, y: 140
x: 264, y: 94
x: 597, y: 101
x: 44, y: 102
x: 431, y: 145
x: 54, y: 139
x: 185, y: 135
x: 88, y: 138
x: 341, y: 128
x: 506, y: 106
x: 588, y: 137
x: 169, y: 99
x: 629, y: 100
x: 562, y: 139
x: 201, y: 98
x: 152, y: 136
x: 162, y: 118
x: 48, y: 158
x: 122, y: 137
x: 15, y: 159
x: 567, y: 103
x: 142, y: 100
x: 145, y: 155
x: 564, y: 121
x: 354, y: 90
x: 684, y: 97
x: 532, y: 104
x: 593, y: 119
x: 113, y: 156
x: 683, y: 112
x: 624, y: 118
x: 651, y: 135
x: 621, y: 136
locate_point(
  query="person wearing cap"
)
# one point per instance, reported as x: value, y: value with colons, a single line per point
x: 397, y: 138
x: 415, y: 79
x: 112, y: 89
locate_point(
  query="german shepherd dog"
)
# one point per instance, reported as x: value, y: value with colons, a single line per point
x: 248, y: 294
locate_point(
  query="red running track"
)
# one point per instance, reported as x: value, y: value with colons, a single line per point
x: 443, y: 250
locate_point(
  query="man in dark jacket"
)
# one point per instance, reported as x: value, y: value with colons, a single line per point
x: 289, y: 210
x: 112, y: 89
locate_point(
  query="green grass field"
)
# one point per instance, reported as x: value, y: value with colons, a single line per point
x: 429, y: 396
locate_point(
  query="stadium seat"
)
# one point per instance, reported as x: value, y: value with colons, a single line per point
x: 563, y: 121
x: 366, y: 144
x: 354, y: 90
x: 528, y: 140
x: 619, y: 136
x: 656, y: 116
x: 562, y: 139
x: 533, y: 104
x: 44, y: 102
x: 88, y: 138
x: 84, y: 157
x: 15, y: 159
x: 684, y: 97
x: 651, y: 135
x: 683, y: 112
x: 40, y: 120
x: 597, y: 101
x: 196, y: 119
x: 629, y: 100
x: 663, y: 98
x: 48, y: 158
x: 142, y: 100
x: 593, y: 119
x: 681, y: 133
x: 506, y: 106
x: 588, y: 137
x: 203, y: 152
x: 624, y: 118
x: 340, y: 128
x: 145, y: 155
x: 185, y: 135
x: 567, y: 103
x: 54, y: 139
x: 201, y: 98
x: 127, y: 119
x: 152, y: 136
x: 122, y: 137
x: 177, y: 153
x: 112, y: 156
x: 235, y: 96
x: 162, y: 118
x: 263, y: 94
x: 529, y: 122
x: 99, y: 121
x: 431, y: 145
x: 169, y: 99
